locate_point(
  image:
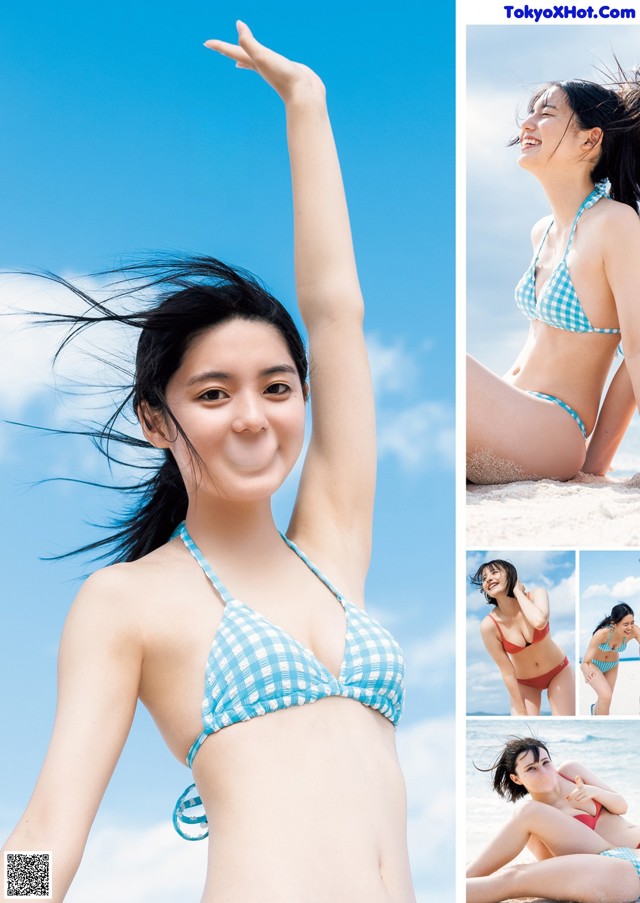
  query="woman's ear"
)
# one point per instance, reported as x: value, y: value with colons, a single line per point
x: 515, y: 779
x: 592, y: 140
x: 152, y: 421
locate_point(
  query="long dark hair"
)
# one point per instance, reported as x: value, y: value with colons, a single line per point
x: 615, y: 110
x: 175, y: 299
x: 618, y: 612
x: 495, y: 565
x: 505, y: 765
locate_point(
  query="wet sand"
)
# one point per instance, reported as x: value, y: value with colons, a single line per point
x: 585, y: 511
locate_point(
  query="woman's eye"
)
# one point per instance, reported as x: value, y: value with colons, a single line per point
x: 277, y: 389
x: 213, y: 395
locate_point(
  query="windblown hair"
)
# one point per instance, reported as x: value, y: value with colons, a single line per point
x: 505, y: 765
x: 618, y: 612
x: 497, y: 564
x: 174, y: 301
x: 614, y: 108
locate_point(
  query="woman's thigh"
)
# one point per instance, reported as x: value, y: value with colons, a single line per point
x: 512, y: 435
x: 531, y: 698
x: 603, y: 683
x: 562, y: 693
x: 584, y: 878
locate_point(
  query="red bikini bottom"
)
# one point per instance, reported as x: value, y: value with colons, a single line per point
x: 543, y: 680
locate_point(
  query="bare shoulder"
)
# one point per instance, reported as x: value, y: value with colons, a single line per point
x: 570, y: 768
x: 616, y: 221
x: 539, y: 229
x: 117, y: 597
x: 488, y: 626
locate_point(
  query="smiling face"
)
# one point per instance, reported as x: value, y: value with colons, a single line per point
x: 238, y: 398
x: 626, y: 625
x: 494, y: 580
x: 550, y: 135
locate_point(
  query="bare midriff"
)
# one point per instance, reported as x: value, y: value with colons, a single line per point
x: 537, y: 659
x: 305, y: 804
x: 570, y: 366
x: 617, y: 831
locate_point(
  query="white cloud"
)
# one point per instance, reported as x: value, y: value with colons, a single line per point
x: 626, y: 589
x: 421, y: 436
x: 425, y: 751
x: 595, y: 591
x: 393, y: 368
x: 421, y: 654
x: 140, y: 865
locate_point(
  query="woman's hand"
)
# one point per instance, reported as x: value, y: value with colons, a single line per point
x: 582, y: 791
x: 520, y: 588
x: 290, y: 80
x: 588, y: 671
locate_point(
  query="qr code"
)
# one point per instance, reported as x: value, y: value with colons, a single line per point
x: 27, y: 875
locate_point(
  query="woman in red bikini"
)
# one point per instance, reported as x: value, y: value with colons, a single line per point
x: 517, y: 637
x: 572, y: 812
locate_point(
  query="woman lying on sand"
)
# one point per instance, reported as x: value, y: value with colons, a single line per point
x: 573, y: 824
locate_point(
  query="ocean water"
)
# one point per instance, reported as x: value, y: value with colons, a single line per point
x: 607, y: 746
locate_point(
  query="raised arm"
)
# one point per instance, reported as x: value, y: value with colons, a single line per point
x: 495, y: 649
x: 98, y: 676
x: 335, y: 501
x: 590, y: 786
x: 534, y: 605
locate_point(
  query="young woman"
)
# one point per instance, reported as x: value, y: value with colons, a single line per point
x: 582, y: 142
x: 573, y: 824
x: 517, y: 637
x: 600, y: 662
x: 307, y: 802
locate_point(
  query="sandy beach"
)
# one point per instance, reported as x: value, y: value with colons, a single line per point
x: 626, y: 695
x: 586, y: 511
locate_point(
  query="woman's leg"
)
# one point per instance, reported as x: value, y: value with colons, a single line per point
x: 562, y: 693
x: 583, y: 878
x: 531, y: 698
x: 603, y: 685
x: 512, y: 435
x: 559, y: 832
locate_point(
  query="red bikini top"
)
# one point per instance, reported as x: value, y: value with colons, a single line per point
x: 589, y: 820
x: 511, y: 648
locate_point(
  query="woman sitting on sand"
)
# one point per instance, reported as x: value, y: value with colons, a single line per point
x: 516, y: 634
x: 600, y: 662
x: 581, y: 140
x: 571, y: 813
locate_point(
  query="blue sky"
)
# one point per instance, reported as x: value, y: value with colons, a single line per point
x: 123, y: 134
x: 607, y: 578
x: 504, y: 66
x: 555, y: 571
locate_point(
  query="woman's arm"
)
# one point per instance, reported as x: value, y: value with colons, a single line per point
x: 533, y: 605
x: 335, y: 501
x: 590, y: 786
x: 98, y: 676
x: 622, y: 268
x: 615, y: 415
x: 586, y: 667
x: 495, y: 649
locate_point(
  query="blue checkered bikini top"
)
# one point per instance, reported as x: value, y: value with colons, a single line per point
x: 607, y: 647
x: 558, y: 304
x: 255, y: 667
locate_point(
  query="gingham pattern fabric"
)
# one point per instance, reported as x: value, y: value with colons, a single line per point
x: 578, y: 419
x: 625, y: 853
x: 604, y: 666
x: 255, y: 667
x: 558, y: 304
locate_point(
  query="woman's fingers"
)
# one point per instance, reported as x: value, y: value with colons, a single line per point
x: 232, y: 51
